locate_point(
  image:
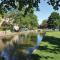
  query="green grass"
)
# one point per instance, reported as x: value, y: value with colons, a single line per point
x: 49, y: 48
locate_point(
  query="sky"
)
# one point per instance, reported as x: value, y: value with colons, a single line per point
x: 45, y: 11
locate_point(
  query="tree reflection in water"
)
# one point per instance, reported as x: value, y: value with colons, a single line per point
x: 22, y: 48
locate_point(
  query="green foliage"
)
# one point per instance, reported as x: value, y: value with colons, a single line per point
x: 55, y: 15
x: 28, y: 21
x: 7, y: 5
x: 53, y: 20
x: 44, y: 24
x: 54, y: 3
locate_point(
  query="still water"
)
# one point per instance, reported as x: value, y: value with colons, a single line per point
x: 21, y: 46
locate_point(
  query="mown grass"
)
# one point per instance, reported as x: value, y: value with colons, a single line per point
x: 49, y: 48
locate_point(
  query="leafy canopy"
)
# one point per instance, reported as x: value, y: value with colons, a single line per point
x: 53, y: 20
x: 6, y: 5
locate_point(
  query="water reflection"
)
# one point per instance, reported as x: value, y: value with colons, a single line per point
x: 39, y: 38
x: 23, y: 45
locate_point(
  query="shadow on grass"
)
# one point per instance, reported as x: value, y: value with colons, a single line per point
x: 37, y: 57
x: 55, y: 43
x: 52, y: 41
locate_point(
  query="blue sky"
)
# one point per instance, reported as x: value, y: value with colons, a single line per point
x: 45, y: 11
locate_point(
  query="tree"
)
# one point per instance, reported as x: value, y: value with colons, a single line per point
x: 54, y: 3
x: 29, y: 21
x: 44, y: 23
x: 7, y: 5
x: 53, y: 20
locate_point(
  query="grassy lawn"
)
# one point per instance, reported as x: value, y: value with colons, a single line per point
x: 49, y: 47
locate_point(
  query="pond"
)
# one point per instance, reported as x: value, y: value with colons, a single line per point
x: 21, y: 46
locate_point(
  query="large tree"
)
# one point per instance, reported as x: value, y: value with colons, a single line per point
x: 28, y: 21
x: 53, y: 20
x: 6, y: 5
